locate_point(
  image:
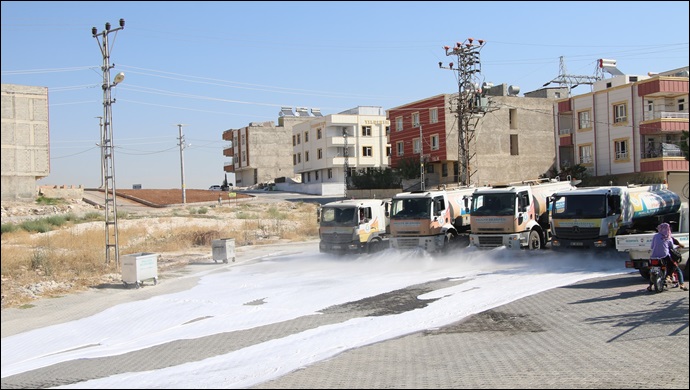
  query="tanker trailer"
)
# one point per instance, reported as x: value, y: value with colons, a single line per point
x: 592, y: 217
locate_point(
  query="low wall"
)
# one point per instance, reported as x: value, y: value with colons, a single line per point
x: 64, y: 192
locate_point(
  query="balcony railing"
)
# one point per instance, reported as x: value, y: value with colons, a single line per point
x: 663, y: 150
x: 563, y: 131
x: 665, y: 115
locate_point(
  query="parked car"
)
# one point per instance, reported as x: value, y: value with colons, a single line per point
x: 215, y: 188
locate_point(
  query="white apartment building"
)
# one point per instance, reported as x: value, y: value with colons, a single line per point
x: 326, y: 148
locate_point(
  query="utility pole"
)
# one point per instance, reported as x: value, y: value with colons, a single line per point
x: 346, y: 168
x: 421, y: 158
x: 182, y: 145
x: 102, y: 142
x: 107, y: 147
x: 470, y: 105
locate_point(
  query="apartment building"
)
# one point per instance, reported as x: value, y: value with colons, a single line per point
x: 629, y: 126
x: 25, y: 140
x: 512, y: 141
x: 327, y: 148
x: 260, y: 152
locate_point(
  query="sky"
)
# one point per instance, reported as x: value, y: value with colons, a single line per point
x: 289, y: 284
x: 214, y: 66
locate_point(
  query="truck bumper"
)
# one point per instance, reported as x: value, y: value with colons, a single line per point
x: 340, y: 248
x: 428, y: 243
x: 563, y: 243
x: 488, y: 241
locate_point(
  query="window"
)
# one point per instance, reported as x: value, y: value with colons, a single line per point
x: 512, y: 118
x: 330, y: 173
x: 400, y: 148
x: 306, y: 156
x: 429, y: 168
x: 681, y: 104
x: 650, y: 105
x: 433, y: 115
x: 319, y: 154
x: 316, y: 175
x: 388, y: 130
x: 621, y: 146
x: 434, y: 142
x: 299, y: 157
x: 308, y: 177
x: 416, y: 146
x: 398, y: 123
x: 388, y: 151
x: 585, y: 154
x: 514, y: 145
x: 620, y: 113
x: 583, y: 121
x: 306, y: 136
x: 293, y: 141
x: 318, y: 133
x: 294, y: 159
x: 366, y: 131
x: 298, y: 139
x: 415, y: 119
x: 366, y: 151
x: 444, y: 170
x: 242, y: 139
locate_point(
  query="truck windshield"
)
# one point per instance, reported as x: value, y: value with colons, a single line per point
x: 493, y: 204
x: 338, y: 216
x: 581, y: 206
x: 411, y: 208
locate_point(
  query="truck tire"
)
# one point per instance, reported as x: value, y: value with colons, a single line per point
x: 644, y: 273
x: 374, y: 246
x: 448, y: 241
x: 534, y: 240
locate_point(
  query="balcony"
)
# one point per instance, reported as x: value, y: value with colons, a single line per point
x: 666, y: 157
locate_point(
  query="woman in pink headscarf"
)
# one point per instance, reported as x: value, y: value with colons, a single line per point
x: 661, y: 242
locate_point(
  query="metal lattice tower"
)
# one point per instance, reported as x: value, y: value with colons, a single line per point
x: 569, y: 80
x: 107, y: 151
x: 469, y: 102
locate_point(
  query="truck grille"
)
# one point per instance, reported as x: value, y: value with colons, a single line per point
x: 408, y: 243
x: 335, y: 238
x: 578, y: 233
x: 490, y: 240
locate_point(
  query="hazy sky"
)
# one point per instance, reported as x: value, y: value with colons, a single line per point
x: 214, y: 66
x: 289, y: 284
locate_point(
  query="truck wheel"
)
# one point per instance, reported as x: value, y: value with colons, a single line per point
x: 534, y: 240
x: 374, y: 246
x: 645, y: 273
x: 448, y: 241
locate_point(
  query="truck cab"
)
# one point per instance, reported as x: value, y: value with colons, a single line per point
x: 354, y: 226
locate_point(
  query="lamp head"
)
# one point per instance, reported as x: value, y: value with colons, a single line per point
x: 118, y: 78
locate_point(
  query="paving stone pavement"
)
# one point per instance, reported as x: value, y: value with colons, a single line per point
x: 599, y: 333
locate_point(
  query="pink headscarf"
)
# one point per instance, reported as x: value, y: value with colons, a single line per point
x: 665, y: 230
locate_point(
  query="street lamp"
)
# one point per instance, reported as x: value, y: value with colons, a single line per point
x: 107, y: 148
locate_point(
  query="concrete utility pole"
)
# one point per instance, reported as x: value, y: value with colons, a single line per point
x: 421, y: 158
x: 346, y: 168
x: 107, y: 147
x: 471, y: 103
x: 182, y: 145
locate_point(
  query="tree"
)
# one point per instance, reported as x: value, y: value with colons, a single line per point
x: 375, y: 178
